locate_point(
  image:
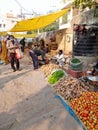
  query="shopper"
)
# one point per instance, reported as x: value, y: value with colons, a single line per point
x: 22, y: 42
x: 34, y: 58
x: 11, y: 46
x: 39, y: 52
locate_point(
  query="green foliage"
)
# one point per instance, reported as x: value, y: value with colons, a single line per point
x: 51, y: 27
x: 86, y: 3
x: 65, y: 18
x: 32, y: 32
x: 56, y: 76
x: 29, y: 32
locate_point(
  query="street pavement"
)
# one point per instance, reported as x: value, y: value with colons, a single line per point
x: 27, y: 102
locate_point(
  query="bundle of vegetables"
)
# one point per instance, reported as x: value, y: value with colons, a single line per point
x: 69, y: 87
x: 75, y: 60
x: 86, y: 107
x: 76, y: 64
x: 54, y: 77
x: 48, y: 68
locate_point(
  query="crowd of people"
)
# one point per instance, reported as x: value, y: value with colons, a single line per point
x: 9, y: 45
x: 41, y: 49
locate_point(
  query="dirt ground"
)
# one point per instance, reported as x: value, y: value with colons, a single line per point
x: 27, y: 102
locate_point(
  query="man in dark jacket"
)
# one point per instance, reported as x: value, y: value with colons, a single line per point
x: 22, y: 42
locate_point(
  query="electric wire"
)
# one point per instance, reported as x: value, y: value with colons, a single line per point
x: 22, y: 6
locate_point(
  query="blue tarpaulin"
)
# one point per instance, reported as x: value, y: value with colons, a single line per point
x: 71, y: 111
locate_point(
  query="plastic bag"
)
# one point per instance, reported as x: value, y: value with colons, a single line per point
x: 19, y: 53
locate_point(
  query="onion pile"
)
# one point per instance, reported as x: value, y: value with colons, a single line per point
x: 48, y: 68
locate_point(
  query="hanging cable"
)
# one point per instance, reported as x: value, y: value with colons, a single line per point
x: 22, y: 6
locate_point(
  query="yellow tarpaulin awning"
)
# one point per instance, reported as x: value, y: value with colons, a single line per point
x: 24, y: 35
x: 38, y: 22
x: 3, y: 33
x: 19, y: 35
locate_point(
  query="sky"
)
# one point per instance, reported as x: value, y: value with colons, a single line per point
x: 38, y: 6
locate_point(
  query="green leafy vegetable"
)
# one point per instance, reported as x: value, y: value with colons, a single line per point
x: 56, y: 76
x: 75, y: 61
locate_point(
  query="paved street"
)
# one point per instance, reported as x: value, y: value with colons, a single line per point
x: 27, y: 102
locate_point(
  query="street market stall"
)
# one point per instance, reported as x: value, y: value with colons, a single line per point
x: 78, y: 98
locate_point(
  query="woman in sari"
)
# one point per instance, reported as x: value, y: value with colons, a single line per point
x: 3, y: 54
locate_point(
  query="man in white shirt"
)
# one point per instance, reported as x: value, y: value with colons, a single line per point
x: 60, y: 58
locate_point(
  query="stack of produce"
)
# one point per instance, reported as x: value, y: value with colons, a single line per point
x: 48, y: 68
x: 86, y: 107
x: 69, y: 87
x: 56, y: 76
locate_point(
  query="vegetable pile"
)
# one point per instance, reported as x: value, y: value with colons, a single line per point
x: 58, y: 74
x: 75, y: 60
x: 47, y: 69
x: 86, y: 107
x: 76, y: 64
x: 80, y: 96
x: 69, y: 87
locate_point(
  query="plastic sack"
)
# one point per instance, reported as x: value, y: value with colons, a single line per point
x: 19, y: 53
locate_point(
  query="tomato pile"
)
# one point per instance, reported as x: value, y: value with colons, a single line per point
x: 86, y: 107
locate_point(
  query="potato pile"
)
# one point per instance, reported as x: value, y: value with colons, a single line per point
x: 48, y: 68
x: 69, y: 87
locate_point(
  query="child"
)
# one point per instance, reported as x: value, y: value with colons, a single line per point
x: 34, y: 59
